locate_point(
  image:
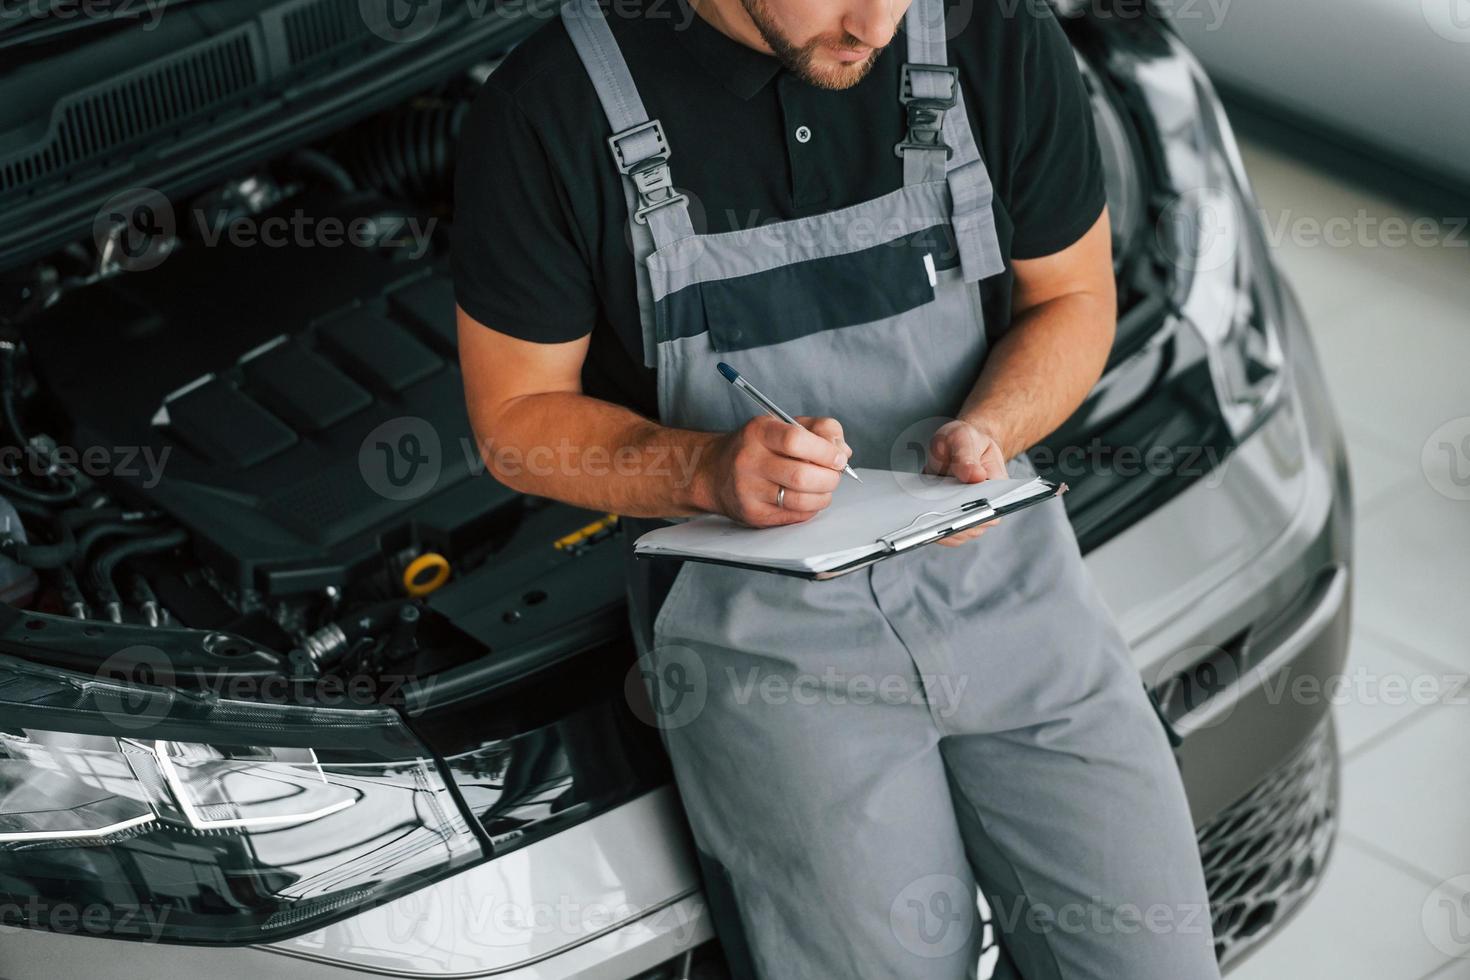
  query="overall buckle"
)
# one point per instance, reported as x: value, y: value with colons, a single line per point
x: 926, y: 113
x: 651, y: 176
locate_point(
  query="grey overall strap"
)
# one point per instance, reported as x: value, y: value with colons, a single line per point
x: 658, y: 214
x: 939, y: 141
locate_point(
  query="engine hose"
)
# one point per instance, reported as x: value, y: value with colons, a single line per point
x: 88, y: 538
x: 11, y: 413
x: 71, y: 595
x: 107, y: 562
x: 8, y: 352
x: 64, y: 550
x: 319, y: 164
x: 407, y: 153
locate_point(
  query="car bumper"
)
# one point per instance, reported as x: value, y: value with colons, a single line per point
x: 1236, y: 600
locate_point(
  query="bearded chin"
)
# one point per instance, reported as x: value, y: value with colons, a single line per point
x: 801, y: 61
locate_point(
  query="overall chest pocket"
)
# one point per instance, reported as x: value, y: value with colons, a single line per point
x: 828, y: 293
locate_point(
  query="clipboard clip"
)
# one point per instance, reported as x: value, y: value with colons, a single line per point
x: 966, y: 514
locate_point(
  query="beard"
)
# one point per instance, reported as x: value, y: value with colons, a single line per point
x: 801, y: 60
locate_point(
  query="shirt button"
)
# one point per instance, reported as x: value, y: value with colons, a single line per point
x: 803, y: 134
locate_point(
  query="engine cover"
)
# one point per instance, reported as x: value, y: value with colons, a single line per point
x: 298, y: 409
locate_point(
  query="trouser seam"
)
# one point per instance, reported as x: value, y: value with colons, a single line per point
x: 1020, y: 882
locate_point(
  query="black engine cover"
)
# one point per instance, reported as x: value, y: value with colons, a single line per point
x: 305, y: 403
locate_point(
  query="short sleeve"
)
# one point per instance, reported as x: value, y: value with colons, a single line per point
x: 1060, y: 189
x: 519, y: 264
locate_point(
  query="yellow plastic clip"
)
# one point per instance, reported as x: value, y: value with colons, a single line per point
x: 584, y: 535
x: 425, y: 574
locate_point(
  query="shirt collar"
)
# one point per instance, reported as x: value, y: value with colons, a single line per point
x: 742, y: 70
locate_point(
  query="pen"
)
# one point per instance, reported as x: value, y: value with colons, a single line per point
x: 733, y: 376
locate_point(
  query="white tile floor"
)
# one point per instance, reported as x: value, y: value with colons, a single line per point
x: 1392, y: 323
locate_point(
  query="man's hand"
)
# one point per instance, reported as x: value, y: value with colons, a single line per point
x: 968, y: 453
x: 742, y: 472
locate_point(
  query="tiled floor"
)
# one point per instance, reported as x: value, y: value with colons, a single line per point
x: 1392, y: 323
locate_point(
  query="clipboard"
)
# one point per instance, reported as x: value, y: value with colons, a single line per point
x: 923, y: 530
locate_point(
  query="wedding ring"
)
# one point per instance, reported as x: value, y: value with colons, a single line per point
x: 781, y: 497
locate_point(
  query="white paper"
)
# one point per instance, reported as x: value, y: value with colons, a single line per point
x: 848, y: 530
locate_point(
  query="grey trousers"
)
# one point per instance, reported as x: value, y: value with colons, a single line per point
x: 861, y: 755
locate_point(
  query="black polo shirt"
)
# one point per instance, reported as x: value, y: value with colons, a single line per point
x: 540, y: 248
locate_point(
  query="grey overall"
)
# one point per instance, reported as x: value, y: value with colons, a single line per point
x: 859, y: 755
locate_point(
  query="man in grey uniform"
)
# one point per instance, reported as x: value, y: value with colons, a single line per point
x: 908, y: 244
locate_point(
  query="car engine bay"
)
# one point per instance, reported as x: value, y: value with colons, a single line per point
x: 216, y: 421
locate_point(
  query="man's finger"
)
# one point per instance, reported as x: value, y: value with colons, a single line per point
x: 967, y: 468
x: 827, y: 428
x: 799, y: 443
x: 797, y: 501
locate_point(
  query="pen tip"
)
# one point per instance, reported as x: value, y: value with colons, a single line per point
x: 730, y: 373
x: 854, y: 475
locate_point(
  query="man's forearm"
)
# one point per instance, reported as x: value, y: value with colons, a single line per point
x: 1041, y: 370
x: 617, y: 460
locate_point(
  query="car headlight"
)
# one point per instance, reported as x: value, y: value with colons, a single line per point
x: 147, y: 813
x: 1211, y: 234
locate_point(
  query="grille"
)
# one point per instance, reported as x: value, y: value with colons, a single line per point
x: 322, y: 26
x: 117, y: 114
x: 1264, y: 854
